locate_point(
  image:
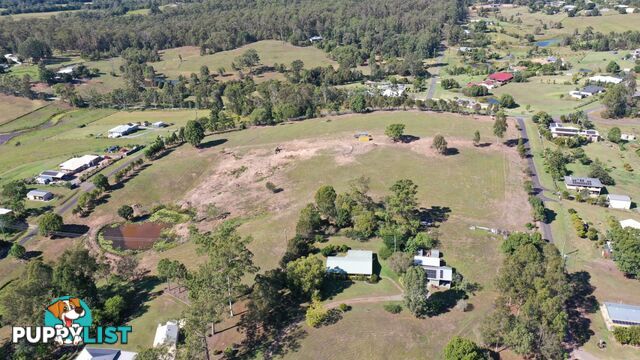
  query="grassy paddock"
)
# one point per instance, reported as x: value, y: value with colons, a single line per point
x: 12, y: 107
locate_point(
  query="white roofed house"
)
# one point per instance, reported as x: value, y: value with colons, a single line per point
x: 605, y: 79
x: 437, y: 274
x: 105, y: 354
x: 122, y: 130
x: 76, y: 164
x: 559, y: 130
x: 356, y: 262
x: 619, y: 201
x: 167, y: 335
x: 630, y: 223
x: 593, y: 186
x: 4, y: 211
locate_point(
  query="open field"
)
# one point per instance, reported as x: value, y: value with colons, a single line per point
x: 270, y: 52
x: 170, y: 65
x: 543, y: 93
x: 12, y: 107
x: 37, y: 15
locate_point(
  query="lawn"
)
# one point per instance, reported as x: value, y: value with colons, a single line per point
x: 543, y: 93
x: 12, y: 107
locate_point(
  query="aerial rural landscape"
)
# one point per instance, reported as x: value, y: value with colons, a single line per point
x: 329, y: 179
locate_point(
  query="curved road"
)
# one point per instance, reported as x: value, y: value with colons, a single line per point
x: 537, y: 186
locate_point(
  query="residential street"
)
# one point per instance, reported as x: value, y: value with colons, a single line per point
x: 537, y: 186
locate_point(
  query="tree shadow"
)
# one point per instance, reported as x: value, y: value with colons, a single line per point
x: 483, y: 145
x: 581, y: 302
x: 435, y: 214
x: 549, y: 216
x: 35, y: 212
x: 333, y: 316
x: 32, y: 255
x: 74, y: 230
x: 333, y: 286
x: 451, y: 151
x: 442, y: 301
x: 409, y: 138
x: 212, y: 143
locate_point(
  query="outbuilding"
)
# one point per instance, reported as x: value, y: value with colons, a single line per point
x: 620, y: 315
x: 76, y: 164
x: 630, y: 223
x: 4, y: 211
x: 356, y: 262
x: 105, y: 354
x: 122, y: 130
x: 39, y: 195
x: 619, y: 201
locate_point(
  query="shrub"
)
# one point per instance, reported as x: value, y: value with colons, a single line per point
x: 271, y: 187
x: 344, y: 307
x: 374, y: 279
x: 393, y: 308
x: 627, y: 335
x: 384, y: 253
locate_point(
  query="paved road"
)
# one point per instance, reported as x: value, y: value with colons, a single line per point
x: 71, y: 203
x: 434, y: 78
x: 537, y: 186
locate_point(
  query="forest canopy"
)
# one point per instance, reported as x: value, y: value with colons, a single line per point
x: 375, y: 26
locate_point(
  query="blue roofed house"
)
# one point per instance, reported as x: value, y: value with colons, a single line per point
x: 616, y: 314
x: 356, y: 262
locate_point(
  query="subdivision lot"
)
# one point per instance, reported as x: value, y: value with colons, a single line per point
x: 317, y: 152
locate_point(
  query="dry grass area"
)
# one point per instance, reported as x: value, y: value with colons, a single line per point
x: 12, y: 107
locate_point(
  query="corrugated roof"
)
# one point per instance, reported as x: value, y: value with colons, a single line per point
x: 78, y: 162
x: 4, y: 211
x: 38, y: 193
x: 630, y: 223
x: 623, y: 312
x: 618, y: 197
x: 355, y: 262
x: 582, y: 182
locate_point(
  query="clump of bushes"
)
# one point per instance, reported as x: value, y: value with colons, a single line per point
x: 627, y: 335
x: 333, y: 249
x: 170, y: 215
x: 393, y: 308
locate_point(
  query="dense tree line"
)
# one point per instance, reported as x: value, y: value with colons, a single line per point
x: 626, y: 246
x: 413, y: 26
x: 531, y: 315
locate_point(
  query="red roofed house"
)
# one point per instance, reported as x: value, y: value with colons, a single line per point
x: 501, y: 77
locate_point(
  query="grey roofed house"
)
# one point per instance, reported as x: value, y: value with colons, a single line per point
x: 105, y: 354
x: 616, y: 314
x: 582, y: 182
x: 356, y: 262
x: 40, y: 195
x: 592, y: 89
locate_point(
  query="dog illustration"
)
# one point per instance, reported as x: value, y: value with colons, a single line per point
x: 67, y: 311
